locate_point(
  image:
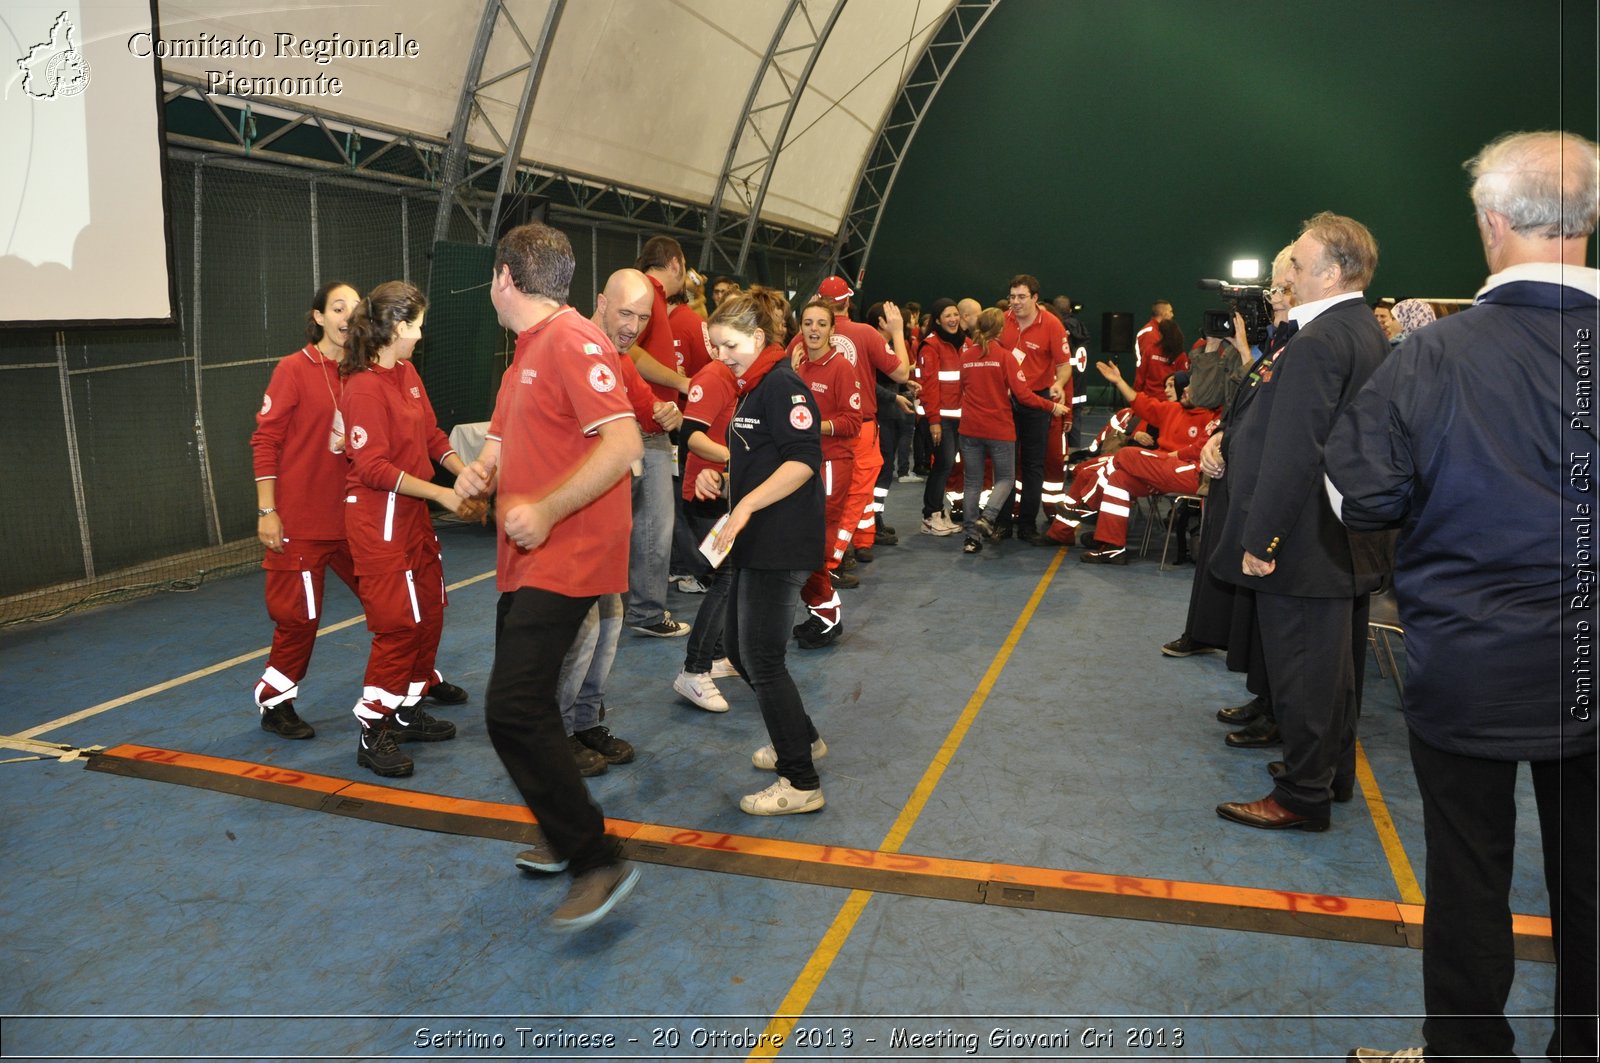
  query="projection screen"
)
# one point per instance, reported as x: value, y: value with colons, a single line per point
x: 83, y: 227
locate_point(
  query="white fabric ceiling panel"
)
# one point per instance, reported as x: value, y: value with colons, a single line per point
x: 856, y: 79
x: 646, y: 92
x: 419, y: 95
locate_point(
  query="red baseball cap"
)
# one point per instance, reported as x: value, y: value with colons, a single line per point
x: 834, y: 288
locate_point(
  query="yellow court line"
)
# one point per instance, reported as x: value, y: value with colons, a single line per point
x: 805, y: 986
x: 221, y: 666
x: 1399, y: 864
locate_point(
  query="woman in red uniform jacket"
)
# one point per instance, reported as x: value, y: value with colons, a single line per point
x: 393, y: 440
x: 298, y: 449
x: 991, y: 375
x: 836, y: 389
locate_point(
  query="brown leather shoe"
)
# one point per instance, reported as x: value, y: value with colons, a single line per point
x: 1268, y: 815
x: 1343, y: 791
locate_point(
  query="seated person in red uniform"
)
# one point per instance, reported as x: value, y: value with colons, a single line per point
x: 1136, y: 472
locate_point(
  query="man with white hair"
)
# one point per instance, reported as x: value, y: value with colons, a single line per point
x: 1497, y: 602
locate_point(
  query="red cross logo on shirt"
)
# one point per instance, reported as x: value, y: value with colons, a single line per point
x: 602, y: 379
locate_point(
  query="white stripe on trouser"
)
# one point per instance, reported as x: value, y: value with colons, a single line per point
x: 413, y: 693
x: 311, y: 596
x: 832, y: 603
x: 272, y: 679
x: 411, y: 589
x: 388, y: 520
x: 878, y: 495
x: 1121, y: 507
x: 844, y: 536
x: 1184, y: 468
x: 377, y: 696
x: 827, y: 478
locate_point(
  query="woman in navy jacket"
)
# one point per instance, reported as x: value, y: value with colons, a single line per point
x: 775, y: 532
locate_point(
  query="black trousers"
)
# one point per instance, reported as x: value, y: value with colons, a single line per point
x: 941, y: 459
x: 1033, y: 439
x: 761, y: 607
x: 1469, y: 817
x: 1310, y: 646
x: 532, y: 633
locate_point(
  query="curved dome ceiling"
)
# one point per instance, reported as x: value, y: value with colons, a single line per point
x: 649, y: 94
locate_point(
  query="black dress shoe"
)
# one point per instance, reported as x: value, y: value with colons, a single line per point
x: 1262, y: 733
x: 1343, y: 790
x: 1033, y: 538
x: 1240, y: 715
x: 1184, y: 646
x: 1269, y: 815
x: 445, y: 694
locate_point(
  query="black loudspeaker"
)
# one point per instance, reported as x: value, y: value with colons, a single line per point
x: 1116, y: 332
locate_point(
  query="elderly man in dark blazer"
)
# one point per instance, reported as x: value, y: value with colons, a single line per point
x: 1281, y: 539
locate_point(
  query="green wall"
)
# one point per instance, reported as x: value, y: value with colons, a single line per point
x: 1122, y: 149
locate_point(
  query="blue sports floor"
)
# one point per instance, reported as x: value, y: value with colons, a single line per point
x: 1007, y: 709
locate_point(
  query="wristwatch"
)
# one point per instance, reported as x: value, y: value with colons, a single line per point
x: 264, y: 512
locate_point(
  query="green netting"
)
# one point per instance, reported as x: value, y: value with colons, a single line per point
x: 139, y: 473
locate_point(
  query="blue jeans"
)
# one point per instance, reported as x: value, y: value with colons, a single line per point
x: 761, y: 608
x: 581, y: 690
x: 1003, y: 453
x: 650, y: 548
x: 706, y: 636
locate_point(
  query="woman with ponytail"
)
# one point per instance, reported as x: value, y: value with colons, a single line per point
x: 393, y: 440
x: 774, y: 535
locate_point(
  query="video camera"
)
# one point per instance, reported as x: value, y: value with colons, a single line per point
x: 1249, y: 301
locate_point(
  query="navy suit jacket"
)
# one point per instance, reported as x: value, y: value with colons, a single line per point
x: 1277, y: 508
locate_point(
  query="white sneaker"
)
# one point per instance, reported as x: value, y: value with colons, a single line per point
x: 940, y: 520
x: 912, y: 478
x: 937, y: 525
x: 722, y: 668
x: 781, y: 799
x: 689, y: 585
x: 766, y: 758
x: 1384, y: 1055
x: 700, y: 690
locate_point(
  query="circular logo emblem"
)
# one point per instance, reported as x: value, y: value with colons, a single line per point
x: 266, y: 405
x: 801, y: 417
x: 697, y: 393
x: 358, y: 437
x: 68, y: 71
x: 602, y: 379
x: 1193, y: 431
x: 855, y: 401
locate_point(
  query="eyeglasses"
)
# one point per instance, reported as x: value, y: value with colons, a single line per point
x: 1279, y: 289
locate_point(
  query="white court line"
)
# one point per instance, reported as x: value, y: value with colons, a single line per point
x: 127, y: 699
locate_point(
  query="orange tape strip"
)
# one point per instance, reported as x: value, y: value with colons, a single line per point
x: 806, y: 852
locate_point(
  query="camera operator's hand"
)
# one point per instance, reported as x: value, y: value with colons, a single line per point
x: 1240, y: 341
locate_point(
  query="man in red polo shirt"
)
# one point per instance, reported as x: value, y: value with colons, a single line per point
x: 564, y: 439
x: 1047, y: 370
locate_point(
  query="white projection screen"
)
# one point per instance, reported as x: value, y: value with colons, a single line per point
x: 83, y: 227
